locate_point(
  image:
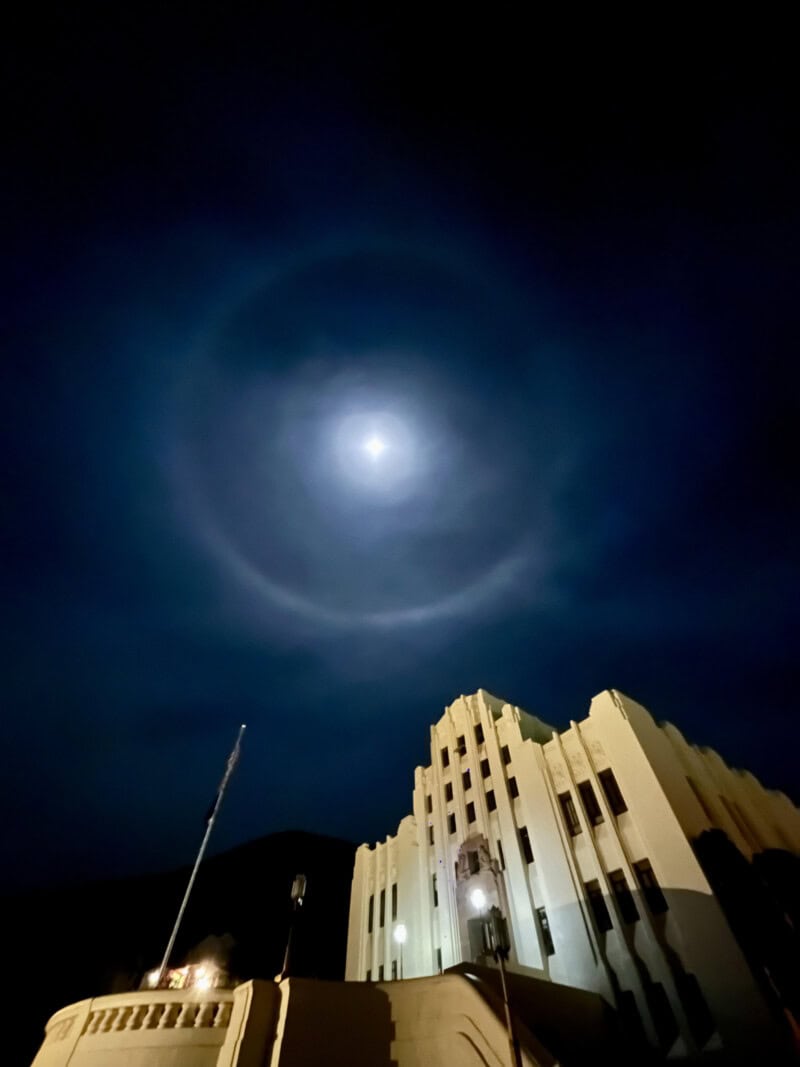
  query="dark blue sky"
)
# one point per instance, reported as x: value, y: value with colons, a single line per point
x: 559, y: 277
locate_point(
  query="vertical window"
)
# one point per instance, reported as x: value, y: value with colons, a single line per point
x: 470, y: 812
x: 513, y: 788
x: 500, y: 855
x: 474, y: 862
x: 466, y: 777
x: 439, y: 960
x: 369, y: 976
x: 394, y: 901
x: 382, y: 912
x: 461, y: 745
x: 451, y: 823
x: 435, y: 891
x: 547, y: 937
x: 485, y: 772
x: 445, y: 757
x: 525, y: 842
x: 615, y: 799
x: 430, y: 835
x: 651, y: 890
x: 479, y: 734
x: 371, y: 913
x: 590, y: 805
x: 505, y: 752
x: 448, y: 791
x: 429, y: 804
x: 394, y: 970
x: 380, y: 973
x: 625, y: 901
x: 569, y: 813
x: 491, y: 800
x: 598, y: 905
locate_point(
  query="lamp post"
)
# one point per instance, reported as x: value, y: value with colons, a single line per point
x: 496, y: 938
x: 400, y: 936
x: 298, y: 893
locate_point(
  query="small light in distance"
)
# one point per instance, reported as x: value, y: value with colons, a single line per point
x: 478, y: 899
x: 400, y: 934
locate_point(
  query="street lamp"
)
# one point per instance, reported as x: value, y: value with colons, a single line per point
x: 495, y: 932
x: 400, y: 936
x: 297, y: 895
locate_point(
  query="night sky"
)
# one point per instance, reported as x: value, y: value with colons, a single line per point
x: 552, y: 273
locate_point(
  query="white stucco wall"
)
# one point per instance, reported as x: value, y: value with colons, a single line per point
x: 652, y: 766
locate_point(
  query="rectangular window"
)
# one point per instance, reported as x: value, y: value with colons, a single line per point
x: 525, y: 842
x: 491, y: 801
x: 500, y: 855
x: 371, y: 913
x: 439, y: 960
x: 651, y: 890
x: 461, y: 745
x: 615, y: 799
x: 474, y: 862
x: 451, y: 823
x: 598, y: 905
x: 547, y: 937
x: 382, y: 912
x: 625, y: 901
x: 569, y: 813
x: 466, y: 777
x: 429, y: 804
x: 369, y: 976
x: 470, y: 812
x: 430, y: 835
x: 485, y: 771
x: 505, y: 752
x: 380, y: 973
x: 394, y: 970
x: 435, y: 891
x: 445, y: 757
x: 448, y: 791
x: 394, y: 901
x: 479, y: 734
x: 513, y: 788
x: 590, y: 805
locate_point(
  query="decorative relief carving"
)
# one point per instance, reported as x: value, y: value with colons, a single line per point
x: 558, y: 773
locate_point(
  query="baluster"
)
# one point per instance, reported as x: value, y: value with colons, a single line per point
x: 205, y: 1015
x: 223, y: 1014
x: 121, y: 1020
x: 135, y: 1017
x: 151, y: 1016
x: 108, y: 1020
x: 167, y: 1020
x: 187, y: 1014
x: 93, y: 1023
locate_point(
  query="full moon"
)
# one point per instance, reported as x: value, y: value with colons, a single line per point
x: 374, y: 446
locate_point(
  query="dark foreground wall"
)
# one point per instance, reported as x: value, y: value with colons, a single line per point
x: 101, y: 938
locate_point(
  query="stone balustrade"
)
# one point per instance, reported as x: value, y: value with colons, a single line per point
x: 149, y: 1027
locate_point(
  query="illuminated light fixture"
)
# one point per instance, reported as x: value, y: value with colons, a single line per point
x: 374, y: 446
x: 152, y: 979
x: 203, y: 981
x: 478, y: 899
x: 400, y: 934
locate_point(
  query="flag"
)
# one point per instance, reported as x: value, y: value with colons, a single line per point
x: 230, y: 766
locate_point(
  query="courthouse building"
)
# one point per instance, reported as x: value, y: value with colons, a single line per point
x: 626, y: 861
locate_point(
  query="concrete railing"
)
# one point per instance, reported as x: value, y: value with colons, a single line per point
x: 153, y: 1027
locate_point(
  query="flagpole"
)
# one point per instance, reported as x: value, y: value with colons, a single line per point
x: 232, y: 760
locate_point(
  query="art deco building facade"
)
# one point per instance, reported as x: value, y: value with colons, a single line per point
x: 626, y: 861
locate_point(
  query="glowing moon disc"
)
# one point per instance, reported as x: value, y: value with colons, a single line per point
x: 374, y: 446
